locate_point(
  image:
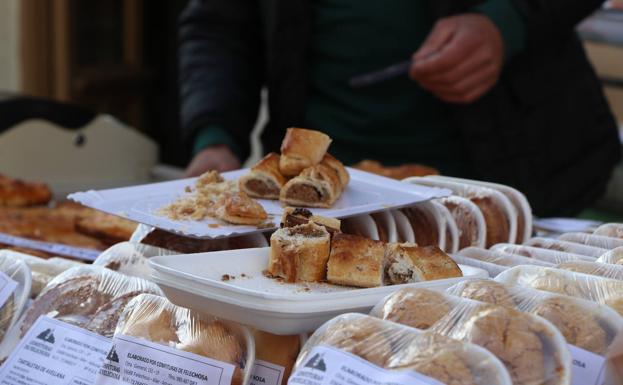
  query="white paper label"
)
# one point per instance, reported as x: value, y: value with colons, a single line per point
x: 140, y: 362
x: 266, y: 373
x: 7, y: 287
x: 588, y: 368
x: 329, y: 366
x: 55, y: 353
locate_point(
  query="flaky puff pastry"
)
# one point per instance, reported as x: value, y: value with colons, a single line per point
x: 317, y: 186
x: 238, y: 208
x: 302, y: 148
x: 330, y: 161
x: 356, y: 261
x: 299, y: 253
x: 409, y: 263
x: 264, y: 180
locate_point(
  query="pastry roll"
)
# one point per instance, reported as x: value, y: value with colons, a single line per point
x: 264, y: 180
x: 302, y: 148
x: 239, y: 209
x: 339, y: 169
x: 356, y: 261
x: 408, y: 263
x: 317, y: 186
x: 298, y: 216
x: 299, y: 253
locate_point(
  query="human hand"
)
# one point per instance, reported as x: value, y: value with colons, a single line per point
x: 219, y: 158
x: 461, y: 59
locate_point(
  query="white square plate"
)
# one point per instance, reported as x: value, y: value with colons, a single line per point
x: 365, y: 193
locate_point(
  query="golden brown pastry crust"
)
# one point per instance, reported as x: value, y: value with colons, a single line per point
x: 498, y: 228
x: 302, y: 148
x: 299, y: 253
x: 418, y: 308
x: 17, y: 193
x: 430, y: 261
x: 424, y: 225
x: 294, y: 216
x: 264, y: 180
x: 397, y: 172
x: 317, y: 186
x: 239, y: 209
x: 356, y: 261
x: 337, y: 166
x: 110, y: 229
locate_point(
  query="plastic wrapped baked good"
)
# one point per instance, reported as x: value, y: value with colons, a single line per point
x: 567, y: 247
x: 600, y: 241
x: 613, y: 230
x: 130, y: 258
x: 394, y: 347
x: 163, y: 239
x: 427, y: 224
x: 155, y: 319
x: 494, y: 261
x: 531, y: 348
x: 519, y: 201
x: 469, y: 221
x: 546, y: 255
x: 90, y: 297
x: 614, y: 256
x: 594, y: 268
x: 590, y: 287
x: 42, y: 270
x: 499, y: 213
x: 14, y: 290
x: 585, y: 324
x: 451, y: 244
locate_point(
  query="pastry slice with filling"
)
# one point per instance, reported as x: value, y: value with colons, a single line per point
x: 264, y: 179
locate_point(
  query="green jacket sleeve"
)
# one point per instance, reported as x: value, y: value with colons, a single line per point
x: 213, y: 135
x: 509, y: 21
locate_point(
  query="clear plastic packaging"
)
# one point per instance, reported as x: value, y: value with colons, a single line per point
x: 451, y: 229
x: 600, y: 241
x: 612, y: 230
x: 427, y: 223
x: 469, y: 221
x: 590, y: 287
x: 395, y: 347
x: 494, y: 261
x: 614, y: 256
x: 500, y: 215
x: 546, y: 255
x: 90, y: 297
x: 130, y: 258
x: 532, y: 349
x: 155, y: 319
x: 567, y: 247
x: 159, y: 238
x: 594, y: 268
x: 403, y: 227
x: 278, y: 350
x: 42, y: 270
x: 585, y: 324
x: 14, y: 290
x: 518, y: 199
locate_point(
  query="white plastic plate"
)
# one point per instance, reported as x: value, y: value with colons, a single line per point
x: 230, y: 284
x: 365, y: 193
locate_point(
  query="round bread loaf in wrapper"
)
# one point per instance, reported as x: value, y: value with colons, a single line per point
x: 585, y: 324
x: 494, y: 261
x: 566, y: 246
x: 614, y: 256
x: 395, y: 347
x: 599, y: 241
x: 155, y: 319
x: 594, y: 268
x: 531, y: 348
x: 613, y: 230
x: 546, y: 255
x: 42, y: 270
x: 159, y: 238
x: 11, y: 308
x: 469, y: 221
x: 130, y: 258
x: 590, y: 287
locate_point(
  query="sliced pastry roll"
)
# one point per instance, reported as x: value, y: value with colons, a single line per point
x: 317, y: 186
x: 356, y: 261
x: 264, y: 180
x: 339, y: 169
x: 299, y: 253
x: 302, y: 148
x: 406, y: 263
x: 299, y: 216
x: 238, y: 208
